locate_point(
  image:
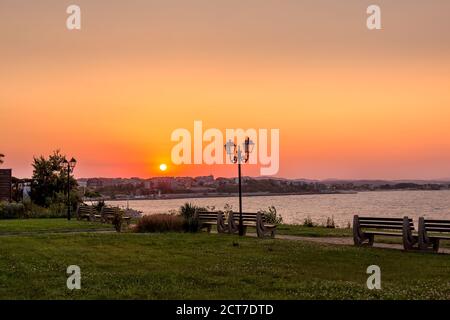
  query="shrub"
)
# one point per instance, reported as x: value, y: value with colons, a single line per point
x: 187, y: 212
x: 330, y: 223
x: 99, y: 205
x: 271, y: 215
x: 117, y: 220
x: 55, y: 210
x: 160, y: 223
x: 308, y: 222
x: 12, y: 210
x: 227, y: 209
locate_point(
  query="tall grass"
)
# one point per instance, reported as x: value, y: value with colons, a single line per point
x: 187, y: 212
x: 160, y: 223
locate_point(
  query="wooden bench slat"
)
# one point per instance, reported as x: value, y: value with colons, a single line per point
x: 381, y: 226
x: 381, y: 218
x: 385, y: 233
x: 438, y: 236
x: 437, y: 229
x: 438, y: 225
x: 436, y: 221
x: 400, y: 223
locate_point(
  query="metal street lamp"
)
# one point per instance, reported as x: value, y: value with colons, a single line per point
x: 236, y: 156
x: 69, y: 166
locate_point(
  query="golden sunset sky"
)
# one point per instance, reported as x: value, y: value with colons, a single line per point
x: 349, y: 102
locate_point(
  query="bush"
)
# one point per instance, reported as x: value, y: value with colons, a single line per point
x: 271, y: 215
x: 55, y: 210
x: 330, y: 223
x: 187, y: 212
x: 12, y: 210
x: 118, y: 220
x: 99, y: 205
x: 27, y: 209
x: 160, y: 223
x: 227, y: 209
x: 308, y: 222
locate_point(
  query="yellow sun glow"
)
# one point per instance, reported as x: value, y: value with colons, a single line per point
x: 163, y: 167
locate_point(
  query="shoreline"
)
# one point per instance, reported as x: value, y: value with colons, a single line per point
x: 221, y: 195
x: 246, y: 195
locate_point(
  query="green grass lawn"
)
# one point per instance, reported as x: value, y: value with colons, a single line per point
x: 48, y: 225
x: 302, y: 231
x: 210, y: 266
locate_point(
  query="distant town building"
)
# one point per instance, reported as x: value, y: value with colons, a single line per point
x: 94, y: 183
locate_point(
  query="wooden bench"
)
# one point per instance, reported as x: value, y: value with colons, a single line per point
x: 87, y: 212
x: 107, y: 215
x: 366, y: 228
x: 431, y: 232
x: 208, y: 219
x: 256, y: 220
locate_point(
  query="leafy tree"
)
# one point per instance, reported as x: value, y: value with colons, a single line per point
x: 50, y: 180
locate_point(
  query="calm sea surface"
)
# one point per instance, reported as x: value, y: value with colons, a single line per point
x: 294, y: 209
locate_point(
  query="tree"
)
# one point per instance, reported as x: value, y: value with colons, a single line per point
x: 50, y: 180
x: 1, y: 157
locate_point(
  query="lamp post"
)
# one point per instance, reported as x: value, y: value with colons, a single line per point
x: 236, y: 156
x: 69, y: 166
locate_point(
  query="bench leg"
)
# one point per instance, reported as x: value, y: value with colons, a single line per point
x: 361, y: 240
x: 371, y: 238
x: 435, y: 245
x: 272, y: 233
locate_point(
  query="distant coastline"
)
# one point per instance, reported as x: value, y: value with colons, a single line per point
x: 251, y: 194
x: 221, y: 195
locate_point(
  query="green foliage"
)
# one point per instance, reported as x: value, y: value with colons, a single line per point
x: 50, y: 179
x: 99, y: 205
x: 330, y: 223
x: 11, y: 210
x: 28, y: 210
x: 308, y: 222
x: 227, y: 209
x: 208, y: 266
x: 271, y: 215
x: 92, y: 194
x: 188, y: 212
x: 160, y: 223
x: 55, y: 210
x: 117, y: 220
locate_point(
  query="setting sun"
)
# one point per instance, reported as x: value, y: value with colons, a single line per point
x: 163, y: 167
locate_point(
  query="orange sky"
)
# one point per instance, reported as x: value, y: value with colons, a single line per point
x: 349, y: 103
